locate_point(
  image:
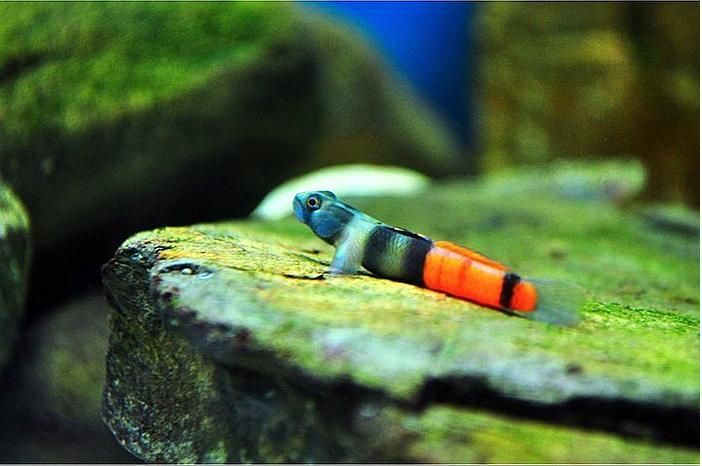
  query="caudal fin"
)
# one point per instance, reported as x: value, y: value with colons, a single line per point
x: 558, y: 303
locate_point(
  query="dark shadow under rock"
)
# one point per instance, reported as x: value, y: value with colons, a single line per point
x: 50, y: 396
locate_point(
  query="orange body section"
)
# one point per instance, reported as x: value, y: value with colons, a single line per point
x: 524, y: 297
x: 476, y: 256
x: 466, y: 274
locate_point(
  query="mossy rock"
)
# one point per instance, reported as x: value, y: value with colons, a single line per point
x: 154, y: 104
x: 14, y: 268
x: 243, y: 349
x: 145, y: 114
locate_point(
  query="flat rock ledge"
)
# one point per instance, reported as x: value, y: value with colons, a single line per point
x: 229, y: 343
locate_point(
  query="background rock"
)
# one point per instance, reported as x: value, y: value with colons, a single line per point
x: 608, y: 79
x: 234, y: 338
x: 50, y: 394
x: 140, y: 115
x: 14, y: 268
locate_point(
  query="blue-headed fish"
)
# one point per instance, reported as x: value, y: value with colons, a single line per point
x: 399, y: 254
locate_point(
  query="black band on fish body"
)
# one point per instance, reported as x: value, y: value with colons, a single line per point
x: 395, y: 253
x: 414, y: 259
x: 509, y: 281
x: 376, y: 249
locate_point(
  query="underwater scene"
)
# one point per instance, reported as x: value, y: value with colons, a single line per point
x: 350, y: 232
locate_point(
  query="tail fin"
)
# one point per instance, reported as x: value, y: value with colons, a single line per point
x: 559, y: 302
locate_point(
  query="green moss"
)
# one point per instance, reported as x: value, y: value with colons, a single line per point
x: 176, y: 383
x: 168, y: 50
x: 218, y: 455
x: 148, y: 104
x: 450, y: 434
x: 14, y: 217
x: 14, y: 266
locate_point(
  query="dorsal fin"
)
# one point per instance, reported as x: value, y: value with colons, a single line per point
x: 406, y: 232
x: 472, y: 255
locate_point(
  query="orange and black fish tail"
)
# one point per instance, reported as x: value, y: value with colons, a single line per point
x: 457, y: 273
x: 559, y: 302
x: 460, y: 272
x: 470, y: 254
x: 442, y: 266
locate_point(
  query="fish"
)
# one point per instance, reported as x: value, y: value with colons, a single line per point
x: 399, y: 254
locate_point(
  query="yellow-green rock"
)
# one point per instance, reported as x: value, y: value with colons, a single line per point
x: 229, y: 341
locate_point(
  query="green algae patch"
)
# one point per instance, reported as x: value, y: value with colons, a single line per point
x: 91, y: 110
x: 447, y: 433
x: 254, y: 299
x: 14, y: 267
x: 177, y: 48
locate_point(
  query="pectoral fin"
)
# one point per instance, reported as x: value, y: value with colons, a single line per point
x: 348, y: 257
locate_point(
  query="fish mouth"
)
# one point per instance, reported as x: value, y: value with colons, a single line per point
x: 298, y: 208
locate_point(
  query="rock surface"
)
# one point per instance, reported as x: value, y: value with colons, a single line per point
x: 50, y: 393
x: 14, y: 268
x: 229, y: 343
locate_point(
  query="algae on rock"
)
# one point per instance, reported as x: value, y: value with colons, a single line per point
x: 234, y: 337
x: 14, y: 268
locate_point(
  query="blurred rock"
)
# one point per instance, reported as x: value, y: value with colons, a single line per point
x: 614, y: 180
x: 673, y: 218
x: 594, y: 80
x: 229, y: 343
x: 50, y: 396
x: 14, y: 267
x: 344, y: 180
x: 126, y: 116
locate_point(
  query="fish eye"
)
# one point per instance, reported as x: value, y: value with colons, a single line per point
x: 313, y: 202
